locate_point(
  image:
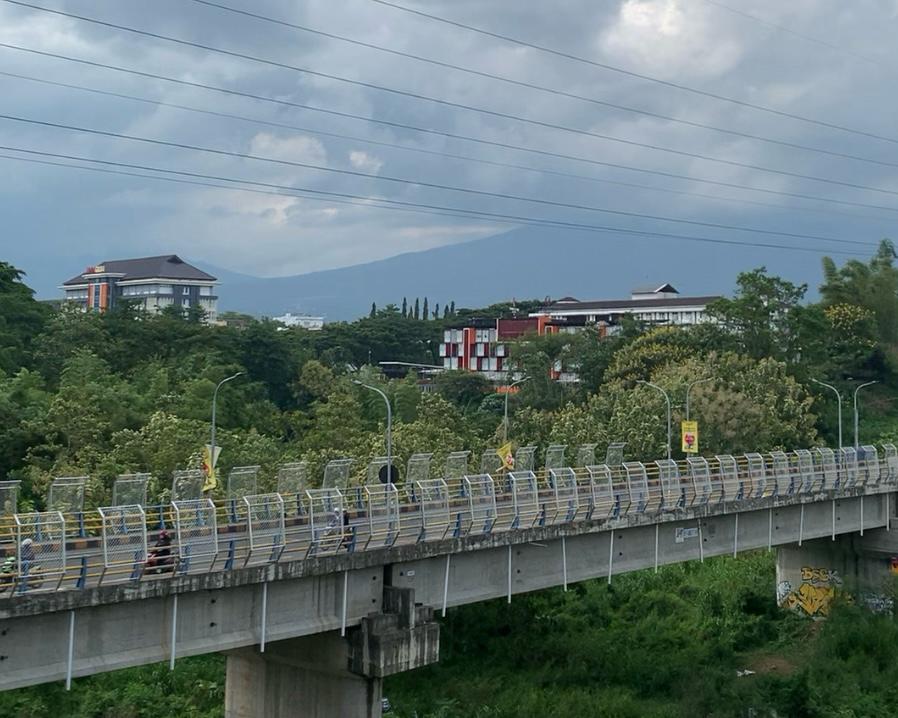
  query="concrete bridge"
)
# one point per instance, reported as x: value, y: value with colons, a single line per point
x: 316, y: 596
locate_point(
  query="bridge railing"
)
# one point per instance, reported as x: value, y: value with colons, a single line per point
x: 113, y: 541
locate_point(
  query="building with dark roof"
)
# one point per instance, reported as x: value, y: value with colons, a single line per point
x: 656, y: 304
x: 152, y: 283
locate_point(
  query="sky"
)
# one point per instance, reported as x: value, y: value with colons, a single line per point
x: 822, y: 59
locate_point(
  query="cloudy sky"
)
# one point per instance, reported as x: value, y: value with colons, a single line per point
x: 822, y: 59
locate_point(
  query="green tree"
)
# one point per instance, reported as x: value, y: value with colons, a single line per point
x: 764, y: 314
x: 21, y: 318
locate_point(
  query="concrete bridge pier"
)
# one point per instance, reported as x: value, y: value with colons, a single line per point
x: 810, y: 575
x: 326, y: 675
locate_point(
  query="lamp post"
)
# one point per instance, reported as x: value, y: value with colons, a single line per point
x: 856, y: 443
x: 214, y: 405
x: 666, y: 399
x: 505, y: 415
x: 839, y: 399
x: 689, y: 388
x: 389, y: 434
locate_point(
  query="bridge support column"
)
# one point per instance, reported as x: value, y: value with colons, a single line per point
x: 809, y: 576
x: 327, y: 676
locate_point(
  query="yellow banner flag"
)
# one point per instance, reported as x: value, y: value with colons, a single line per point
x: 209, y: 462
x: 690, y: 437
x: 506, y: 456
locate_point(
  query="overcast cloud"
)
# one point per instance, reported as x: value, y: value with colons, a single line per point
x: 57, y: 220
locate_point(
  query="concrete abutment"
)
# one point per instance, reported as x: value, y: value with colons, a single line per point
x: 327, y: 675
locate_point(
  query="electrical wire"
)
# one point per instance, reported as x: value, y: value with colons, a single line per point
x: 405, y: 181
x: 448, y: 135
x: 421, y: 150
x: 543, y: 88
x: 631, y: 73
x: 455, y: 105
x: 344, y: 198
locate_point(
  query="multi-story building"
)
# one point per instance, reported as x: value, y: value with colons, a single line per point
x: 660, y: 304
x: 152, y: 283
x: 482, y: 345
x: 303, y: 321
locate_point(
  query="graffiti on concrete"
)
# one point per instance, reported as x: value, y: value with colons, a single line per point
x: 814, y: 594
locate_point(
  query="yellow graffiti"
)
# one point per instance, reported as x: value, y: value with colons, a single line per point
x: 815, y: 593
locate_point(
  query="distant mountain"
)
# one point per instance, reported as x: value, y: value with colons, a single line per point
x: 523, y: 263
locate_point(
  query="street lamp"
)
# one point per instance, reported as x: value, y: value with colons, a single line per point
x: 667, y: 399
x: 214, y: 404
x: 855, y: 409
x: 689, y: 388
x: 505, y: 416
x: 839, y: 398
x: 389, y: 435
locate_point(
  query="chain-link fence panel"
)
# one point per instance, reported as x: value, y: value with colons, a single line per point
x: 757, y: 475
x: 638, y: 486
x: 673, y: 493
x: 621, y: 486
x: 481, y: 492
x: 337, y: 474
x: 67, y: 494
x: 40, y: 551
x: 242, y: 481
x: 456, y: 466
x: 9, y: 497
x: 614, y: 454
x: 490, y: 461
x: 783, y: 484
x: 826, y: 470
x: 525, y: 458
x: 382, y: 505
x: 130, y: 490
x: 804, y: 465
x: 602, y: 501
x: 871, y: 464
x: 730, y: 486
x: 555, y: 456
x: 525, y: 499
x: 187, y: 485
x: 891, y: 461
x: 417, y: 469
x: 197, y: 533
x: 328, y: 521
x: 433, y: 502
x: 566, y: 495
x: 265, y: 528
x: 293, y: 480
x: 701, y: 479
x: 124, y: 539
x: 586, y: 455
x: 848, y: 467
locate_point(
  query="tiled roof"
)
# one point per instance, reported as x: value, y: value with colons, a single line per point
x: 613, y: 304
x: 168, y: 266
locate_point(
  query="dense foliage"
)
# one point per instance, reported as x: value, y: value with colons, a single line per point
x: 104, y: 394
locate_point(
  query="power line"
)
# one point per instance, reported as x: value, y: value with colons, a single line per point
x: 442, y: 133
x: 543, y: 88
x: 456, y: 105
x: 289, y: 191
x: 631, y: 73
x: 420, y: 183
x: 421, y: 150
x: 795, y: 33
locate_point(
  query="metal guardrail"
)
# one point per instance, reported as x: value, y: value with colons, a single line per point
x: 114, y: 544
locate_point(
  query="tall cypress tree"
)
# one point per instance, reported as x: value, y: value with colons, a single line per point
x: 436, y: 311
x: 417, y: 309
x: 426, y: 316
x: 373, y: 310
x: 452, y: 308
x: 404, y: 307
